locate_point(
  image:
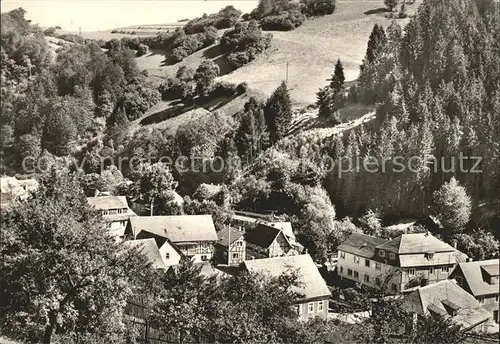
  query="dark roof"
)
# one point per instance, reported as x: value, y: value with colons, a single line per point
x: 361, y: 244
x: 262, y: 235
x: 224, y: 235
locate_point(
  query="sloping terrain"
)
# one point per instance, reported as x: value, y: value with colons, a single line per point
x: 311, y: 51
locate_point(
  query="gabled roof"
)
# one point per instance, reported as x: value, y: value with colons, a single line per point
x: 434, y: 297
x: 149, y: 248
x: 108, y: 202
x: 475, y: 279
x: 224, y: 235
x: 361, y: 244
x: 491, y: 270
x: 285, y: 227
x: 182, y: 228
x: 262, y: 235
x: 312, y: 284
x: 415, y: 243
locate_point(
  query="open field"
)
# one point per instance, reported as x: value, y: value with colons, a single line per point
x: 311, y: 51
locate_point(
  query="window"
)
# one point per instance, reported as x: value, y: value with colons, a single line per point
x: 481, y: 299
x: 310, y: 307
x: 342, y: 255
x: 236, y: 255
x: 445, y: 269
x: 392, y: 256
x: 367, y: 278
x: 239, y: 243
x: 356, y: 274
x: 378, y: 266
x: 496, y: 297
x: 431, y: 271
x: 430, y: 255
x: 495, y: 316
x: 459, y: 280
x: 377, y: 281
x: 341, y: 269
x: 167, y: 255
x: 204, y: 258
x: 381, y: 253
x: 411, y: 272
x: 320, y: 306
x: 109, y: 224
x: 349, y: 272
x: 356, y: 259
x: 367, y: 262
x: 297, y: 309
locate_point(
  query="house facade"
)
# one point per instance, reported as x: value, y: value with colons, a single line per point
x: 231, y: 247
x: 481, y: 280
x: 406, y: 261
x: 266, y: 241
x: 115, y: 212
x: 446, y: 299
x: 193, y: 235
x: 316, y: 294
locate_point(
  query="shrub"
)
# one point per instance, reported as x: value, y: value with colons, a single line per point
x: 225, y: 18
x: 51, y: 32
x: 285, y: 21
x: 318, y: 7
x: 223, y: 89
x: 138, y: 99
x: 242, y: 88
x: 352, y: 96
x: 243, y: 43
x: 391, y: 4
x: 142, y: 50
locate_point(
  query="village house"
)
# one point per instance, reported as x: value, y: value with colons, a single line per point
x: 231, y: 247
x: 268, y: 241
x: 406, y: 261
x: 480, y: 279
x: 445, y: 298
x: 193, y: 235
x: 314, y: 302
x: 150, y: 250
x: 115, y: 212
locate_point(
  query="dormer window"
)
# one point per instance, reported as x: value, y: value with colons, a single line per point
x: 429, y: 255
x: 392, y: 256
x: 381, y: 253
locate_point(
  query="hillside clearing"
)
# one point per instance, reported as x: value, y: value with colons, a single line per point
x: 311, y: 51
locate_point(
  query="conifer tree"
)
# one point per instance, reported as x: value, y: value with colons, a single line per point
x: 376, y: 43
x: 278, y: 112
x: 338, y: 77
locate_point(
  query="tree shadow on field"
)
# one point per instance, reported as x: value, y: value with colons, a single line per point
x: 213, y: 52
x: 163, y: 115
x: 376, y: 11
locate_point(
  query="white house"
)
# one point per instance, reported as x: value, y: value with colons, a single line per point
x: 115, y: 212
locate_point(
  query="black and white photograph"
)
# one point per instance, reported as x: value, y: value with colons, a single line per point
x: 250, y: 171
